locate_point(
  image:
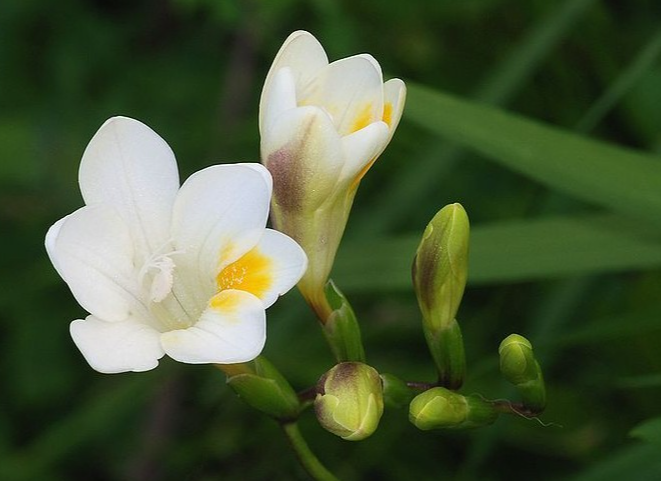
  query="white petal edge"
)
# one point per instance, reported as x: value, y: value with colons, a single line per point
x: 363, y: 147
x: 92, y: 251
x: 231, y: 330
x: 130, y: 167
x: 350, y: 90
x: 281, y: 96
x: 304, y: 55
x: 49, y: 243
x: 113, y: 347
x: 288, y: 263
x: 263, y: 171
x: 394, y: 91
x: 219, y: 214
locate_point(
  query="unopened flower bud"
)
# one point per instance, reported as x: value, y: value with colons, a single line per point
x: 322, y: 126
x: 519, y: 366
x: 265, y: 389
x: 440, y: 269
x: 440, y: 408
x: 349, y: 400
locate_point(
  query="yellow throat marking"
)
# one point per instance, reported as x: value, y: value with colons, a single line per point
x: 251, y: 273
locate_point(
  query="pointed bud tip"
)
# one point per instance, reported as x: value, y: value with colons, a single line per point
x: 517, y: 360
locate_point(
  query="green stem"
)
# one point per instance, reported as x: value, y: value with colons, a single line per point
x: 305, y: 455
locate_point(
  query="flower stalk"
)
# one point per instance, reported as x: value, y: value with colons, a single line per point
x: 305, y: 456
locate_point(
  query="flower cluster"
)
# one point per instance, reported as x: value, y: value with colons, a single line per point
x: 189, y: 270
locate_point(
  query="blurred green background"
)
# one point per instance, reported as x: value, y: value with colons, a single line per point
x: 566, y: 246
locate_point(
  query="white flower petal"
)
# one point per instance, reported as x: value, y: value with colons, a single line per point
x: 219, y: 215
x: 49, y: 243
x: 350, y: 90
x: 231, y: 330
x: 281, y: 96
x: 394, y: 92
x: 304, y: 55
x: 302, y: 151
x: 111, y: 347
x: 261, y: 170
x: 128, y: 166
x: 362, y: 148
x: 93, y: 252
x: 269, y: 270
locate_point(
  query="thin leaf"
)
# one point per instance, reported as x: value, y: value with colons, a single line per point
x: 639, y: 382
x: 641, y: 462
x: 511, y: 251
x: 624, y: 180
x: 498, y: 88
x: 639, y: 66
x: 649, y: 431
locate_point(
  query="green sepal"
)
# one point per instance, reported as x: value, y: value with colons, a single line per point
x: 396, y: 393
x: 446, y: 346
x: 533, y: 393
x: 341, y: 327
x: 266, y: 390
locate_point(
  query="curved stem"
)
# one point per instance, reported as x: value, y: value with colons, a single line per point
x: 306, y: 457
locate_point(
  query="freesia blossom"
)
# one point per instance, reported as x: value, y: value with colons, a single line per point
x: 322, y: 126
x: 184, y: 271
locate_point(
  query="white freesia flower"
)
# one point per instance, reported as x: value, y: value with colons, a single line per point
x: 186, y: 272
x: 322, y: 126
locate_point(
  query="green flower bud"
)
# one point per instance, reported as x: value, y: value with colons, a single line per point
x: 440, y: 269
x: 341, y: 328
x: 349, y: 400
x: 440, y: 408
x: 266, y: 390
x: 519, y: 366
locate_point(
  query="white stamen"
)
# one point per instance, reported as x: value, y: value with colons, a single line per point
x: 161, y: 267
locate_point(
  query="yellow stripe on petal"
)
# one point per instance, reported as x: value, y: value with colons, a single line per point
x: 251, y: 273
x: 387, y: 113
x: 224, y: 301
x: 363, y: 119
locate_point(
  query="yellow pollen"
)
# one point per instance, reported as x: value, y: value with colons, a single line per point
x: 387, y: 113
x: 363, y: 119
x: 251, y: 273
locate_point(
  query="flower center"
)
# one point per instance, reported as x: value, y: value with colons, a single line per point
x: 168, y: 306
